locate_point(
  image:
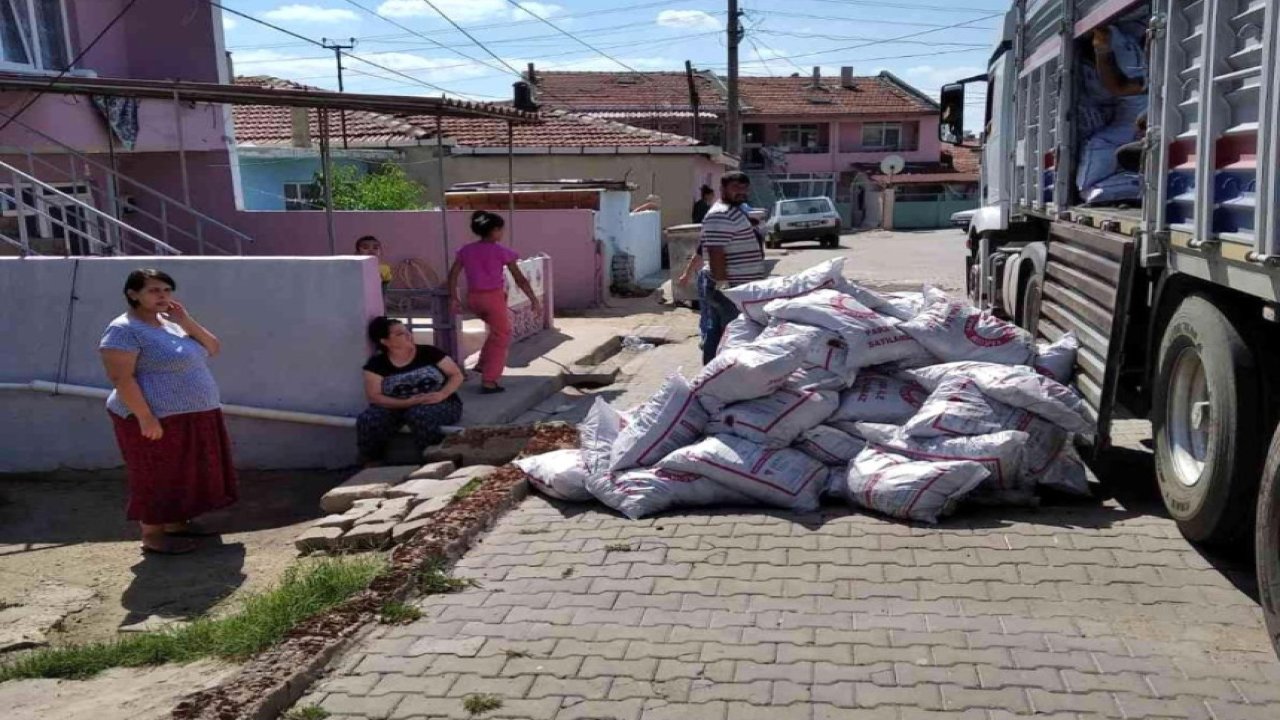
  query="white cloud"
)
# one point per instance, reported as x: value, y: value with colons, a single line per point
x: 929, y: 79
x: 463, y: 11
x: 310, y: 14
x: 535, y: 9
x: 320, y: 72
x: 688, y: 19
x: 229, y: 23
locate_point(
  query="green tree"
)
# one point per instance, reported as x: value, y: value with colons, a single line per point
x: 386, y: 188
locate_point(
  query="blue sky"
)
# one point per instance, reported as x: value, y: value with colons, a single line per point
x: 915, y: 39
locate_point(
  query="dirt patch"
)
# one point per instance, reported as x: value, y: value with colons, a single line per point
x: 120, y: 694
x: 273, y: 680
x: 69, y: 529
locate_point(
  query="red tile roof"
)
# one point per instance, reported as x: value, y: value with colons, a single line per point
x: 964, y: 159
x: 613, y: 91
x: 273, y: 126
x: 881, y: 94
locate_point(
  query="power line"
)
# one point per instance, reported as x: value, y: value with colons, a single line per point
x: 908, y: 36
x: 424, y: 37
x: 882, y: 57
x: 843, y: 38
x: 72, y: 63
x: 571, y: 36
x: 471, y: 37
x: 869, y: 21
x: 903, y: 6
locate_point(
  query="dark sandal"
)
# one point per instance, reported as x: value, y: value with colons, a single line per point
x: 179, y: 550
x: 492, y: 390
x: 193, y: 531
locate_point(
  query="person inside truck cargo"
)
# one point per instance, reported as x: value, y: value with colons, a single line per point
x: 1114, y: 99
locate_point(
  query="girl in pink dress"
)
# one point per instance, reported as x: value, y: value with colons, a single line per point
x: 483, y: 262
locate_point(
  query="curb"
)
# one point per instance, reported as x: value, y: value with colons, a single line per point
x: 272, y: 681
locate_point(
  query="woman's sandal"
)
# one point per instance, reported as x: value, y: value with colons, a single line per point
x: 192, y: 530
x: 171, y: 548
x: 491, y: 389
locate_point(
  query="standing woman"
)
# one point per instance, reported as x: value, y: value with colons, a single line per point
x: 483, y: 261
x: 167, y: 414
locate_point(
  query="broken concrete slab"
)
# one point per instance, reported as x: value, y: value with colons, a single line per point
x: 27, y: 622
x: 391, y: 511
x: 408, y: 529
x: 471, y: 472
x: 429, y: 508
x: 433, y: 471
x: 485, y: 445
x: 364, y: 485
x: 318, y: 539
x: 421, y: 490
x: 153, y: 623
x: 368, y: 537
x: 342, y: 522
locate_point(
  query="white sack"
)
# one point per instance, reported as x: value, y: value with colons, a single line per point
x: 815, y: 378
x: 742, y: 330
x: 597, y: 434
x: 1018, y: 386
x: 642, y: 492
x: 822, y: 348
x: 747, y: 372
x: 909, y: 489
x: 958, y: 407
x: 1000, y: 453
x: 561, y: 474
x: 783, y: 478
x: 777, y: 420
x: 829, y: 445
x: 1050, y: 458
x: 955, y: 330
x: 908, y: 302
x: 752, y: 297
x: 670, y: 419
x: 1058, y: 359
x: 872, y: 338
x: 881, y: 399
x: 875, y: 301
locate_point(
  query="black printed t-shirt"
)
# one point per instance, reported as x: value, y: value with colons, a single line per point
x: 421, y: 376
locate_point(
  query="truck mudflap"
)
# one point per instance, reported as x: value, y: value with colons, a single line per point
x: 1086, y: 290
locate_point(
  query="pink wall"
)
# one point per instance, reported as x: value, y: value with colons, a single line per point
x: 847, y: 134
x: 568, y: 236
x: 189, y: 48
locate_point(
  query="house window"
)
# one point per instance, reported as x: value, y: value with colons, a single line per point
x: 798, y: 137
x: 882, y: 136
x: 301, y: 196
x: 33, y: 34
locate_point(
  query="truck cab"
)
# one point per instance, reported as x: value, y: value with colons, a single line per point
x: 1131, y: 196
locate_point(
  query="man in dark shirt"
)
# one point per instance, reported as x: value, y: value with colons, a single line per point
x: 703, y: 204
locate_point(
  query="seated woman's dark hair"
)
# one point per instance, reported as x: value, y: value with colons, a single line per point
x: 138, y: 280
x: 484, y: 222
x: 380, y: 329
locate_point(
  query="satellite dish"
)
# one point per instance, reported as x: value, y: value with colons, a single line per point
x: 892, y: 164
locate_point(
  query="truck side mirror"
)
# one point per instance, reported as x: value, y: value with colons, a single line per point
x: 951, y: 116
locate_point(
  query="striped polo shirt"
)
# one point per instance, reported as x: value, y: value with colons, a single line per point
x: 728, y: 227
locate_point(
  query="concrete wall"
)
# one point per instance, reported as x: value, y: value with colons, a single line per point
x: 293, y: 339
x: 674, y: 178
x: 642, y: 238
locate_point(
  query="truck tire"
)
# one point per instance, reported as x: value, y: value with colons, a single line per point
x: 1267, y: 542
x: 1029, y: 304
x: 1205, y: 425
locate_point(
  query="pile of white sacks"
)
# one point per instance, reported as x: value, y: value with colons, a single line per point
x: 904, y: 404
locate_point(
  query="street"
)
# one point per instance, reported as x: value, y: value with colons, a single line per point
x: 1078, y: 608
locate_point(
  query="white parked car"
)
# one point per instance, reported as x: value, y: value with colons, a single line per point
x: 962, y: 218
x: 804, y: 219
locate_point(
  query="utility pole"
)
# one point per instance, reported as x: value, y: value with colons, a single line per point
x: 337, y: 49
x: 693, y: 101
x: 733, y: 122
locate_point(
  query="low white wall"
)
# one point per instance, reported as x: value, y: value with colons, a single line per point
x: 643, y: 239
x: 292, y: 330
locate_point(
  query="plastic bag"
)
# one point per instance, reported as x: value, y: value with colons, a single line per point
x: 784, y: 478
x: 561, y: 474
x: 1000, y: 453
x: 777, y: 420
x: 643, y: 492
x: 670, y: 419
x: 829, y: 445
x: 823, y: 348
x: 597, y: 433
x: 1058, y: 359
x: 958, y: 407
x: 752, y: 297
x: 881, y: 399
x: 872, y: 338
x: 747, y: 372
x: 742, y: 330
x: 908, y: 489
x: 955, y: 330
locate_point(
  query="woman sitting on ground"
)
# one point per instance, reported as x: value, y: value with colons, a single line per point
x: 406, y: 384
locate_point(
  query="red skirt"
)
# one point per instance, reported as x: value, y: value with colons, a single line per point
x: 184, y: 474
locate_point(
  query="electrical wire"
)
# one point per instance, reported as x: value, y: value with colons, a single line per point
x: 72, y: 63
x: 471, y: 37
x: 955, y: 26
x: 868, y: 21
x: 571, y: 36
x: 418, y: 34
x: 903, y: 6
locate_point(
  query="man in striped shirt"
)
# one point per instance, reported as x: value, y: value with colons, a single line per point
x: 732, y: 255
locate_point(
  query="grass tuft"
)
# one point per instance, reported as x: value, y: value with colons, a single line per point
x: 398, y: 613
x: 307, y: 712
x: 480, y: 704
x: 307, y: 589
x: 434, y: 579
x: 469, y: 488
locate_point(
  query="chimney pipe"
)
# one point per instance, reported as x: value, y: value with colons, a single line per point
x: 817, y: 76
x: 846, y: 77
x: 301, y: 127
x: 532, y: 75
